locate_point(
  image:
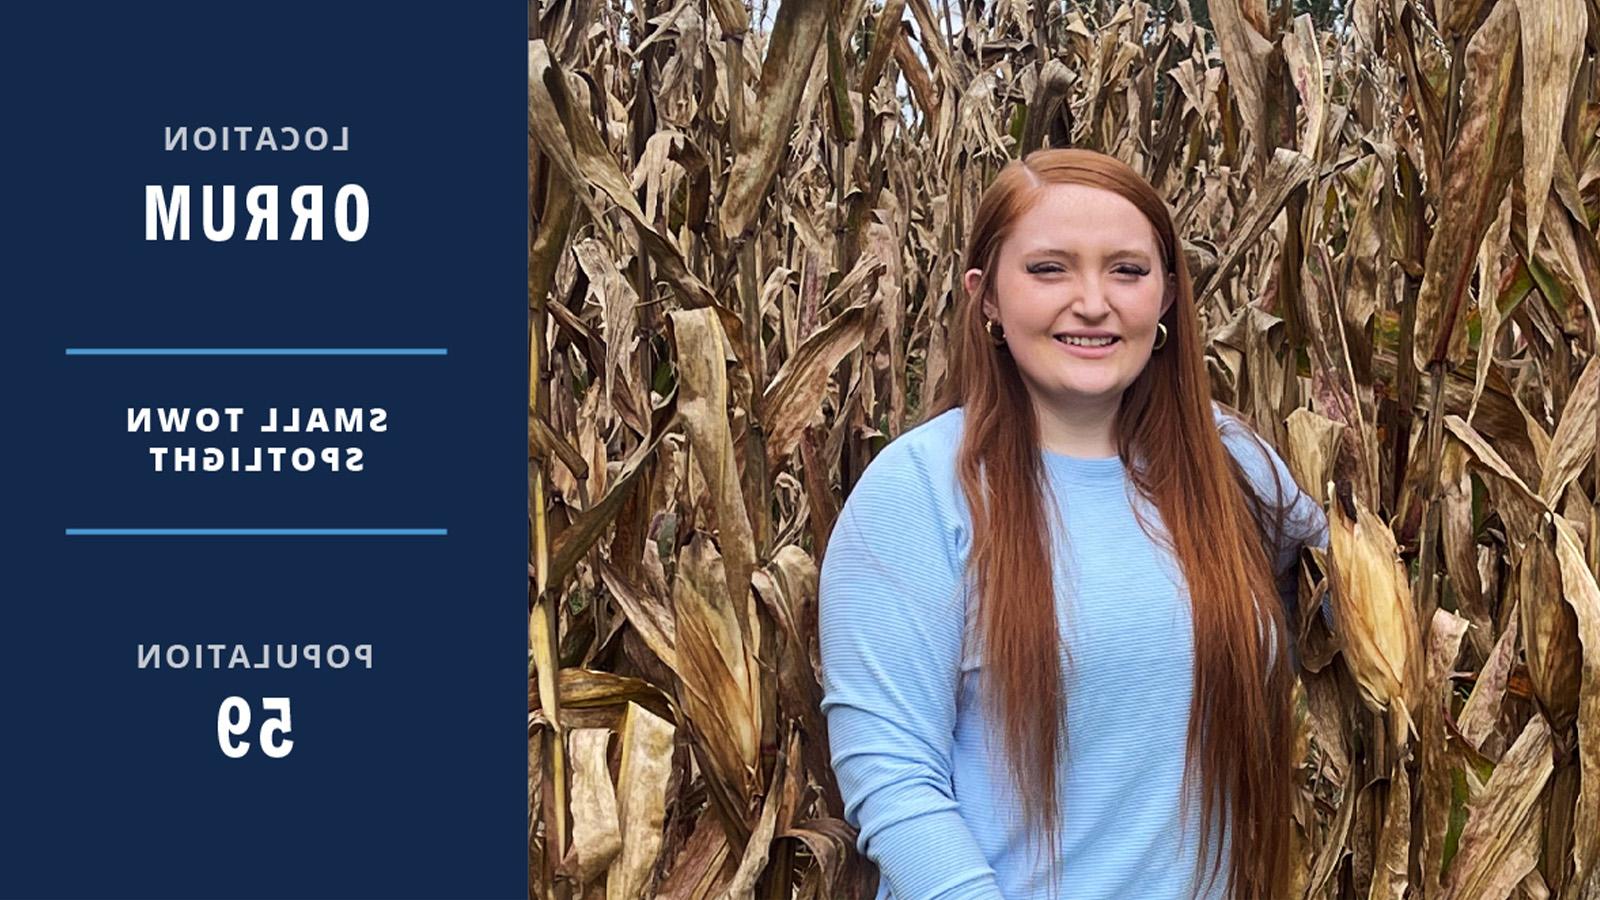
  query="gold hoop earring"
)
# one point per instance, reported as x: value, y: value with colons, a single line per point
x: 996, y: 333
x: 1161, y: 336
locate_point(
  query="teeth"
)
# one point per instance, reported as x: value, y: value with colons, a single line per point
x: 1086, y: 342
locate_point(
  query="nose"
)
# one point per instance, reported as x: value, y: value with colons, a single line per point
x: 1090, y: 298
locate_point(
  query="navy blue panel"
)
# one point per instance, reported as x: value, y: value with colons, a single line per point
x: 406, y: 779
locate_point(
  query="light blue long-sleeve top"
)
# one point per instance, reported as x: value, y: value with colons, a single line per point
x: 932, y: 799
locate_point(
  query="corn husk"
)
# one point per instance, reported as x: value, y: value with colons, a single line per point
x: 1372, y: 601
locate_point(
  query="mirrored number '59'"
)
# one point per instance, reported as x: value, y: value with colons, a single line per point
x: 233, y: 721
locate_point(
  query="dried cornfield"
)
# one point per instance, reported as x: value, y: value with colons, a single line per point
x: 745, y: 234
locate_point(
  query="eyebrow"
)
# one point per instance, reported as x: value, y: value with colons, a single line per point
x: 1127, y: 253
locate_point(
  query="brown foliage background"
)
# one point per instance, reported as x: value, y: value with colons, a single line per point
x: 745, y: 234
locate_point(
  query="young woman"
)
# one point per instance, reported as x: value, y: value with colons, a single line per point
x: 1050, y: 613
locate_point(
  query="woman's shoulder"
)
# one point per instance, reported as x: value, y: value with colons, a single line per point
x: 902, y: 520
x: 913, y: 476
x: 931, y: 444
x: 1229, y: 421
x: 1270, y: 476
x: 1254, y: 453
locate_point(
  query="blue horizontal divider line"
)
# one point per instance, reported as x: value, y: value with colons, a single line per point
x: 257, y: 532
x: 257, y: 351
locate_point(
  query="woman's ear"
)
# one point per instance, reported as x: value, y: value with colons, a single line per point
x: 1171, y: 294
x: 972, y: 281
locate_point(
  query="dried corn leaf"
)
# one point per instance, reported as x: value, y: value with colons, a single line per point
x: 1481, y: 712
x: 1444, y: 646
x: 1560, y: 253
x: 596, y: 836
x: 570, y: 136
x: 934, y: 47
x: 700, y: 869
x: 1335, y: 840
x: 1500, y: 843
x: 1573, y: 444
x: 580, y: 536
x: 642, y: 781
x: 916, y: 74
x: 1457, y: 529
x: 794, y: 397
x: 1367, y: 251
x: 647, y: 613
x: 1532, y: 887
x: 1550, y: 630
x: 1302, y: 52
x: 703, y: 404
x: 612, y: 292
x: 1239, y: 27
x: 1313, y: 444
x: 1583, y: 595
x: 830, y: 842
x: 791, y: 50
x: 1287, y: 171
x: 719, y: 675
x: 731, y: 16
x: 591, y: 688
x: 885, y: 31
x: 1474, y: 176
x: 1552, y: 44
x: 1493, y: 247
x: 1394, y: 842
x: 743, y: 885
x: 1516, y: 503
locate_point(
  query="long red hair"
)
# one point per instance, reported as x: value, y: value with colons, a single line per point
x: 1217, y: 528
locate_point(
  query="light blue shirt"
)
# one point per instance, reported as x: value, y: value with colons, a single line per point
x: 931, y: 797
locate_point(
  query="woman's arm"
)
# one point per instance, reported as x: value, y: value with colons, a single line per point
x: 891, y: 619
x: 1305, y: 523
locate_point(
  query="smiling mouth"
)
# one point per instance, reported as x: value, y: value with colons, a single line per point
x: 1087, y: 342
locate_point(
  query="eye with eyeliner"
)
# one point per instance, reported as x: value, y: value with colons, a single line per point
x: 1049, y: 268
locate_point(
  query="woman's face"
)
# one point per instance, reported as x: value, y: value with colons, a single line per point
x: 1082, y: 263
